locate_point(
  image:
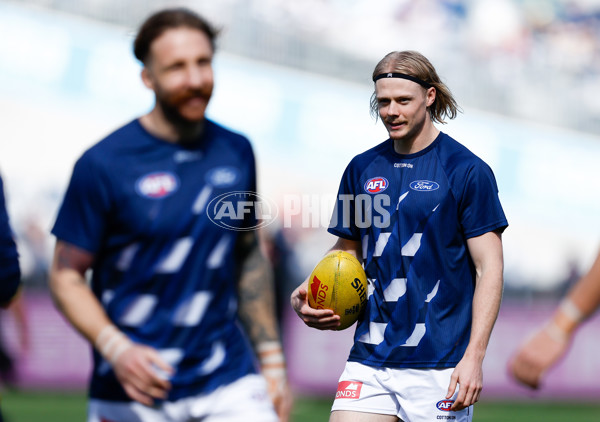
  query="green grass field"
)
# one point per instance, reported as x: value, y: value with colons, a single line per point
x: 70, y: 407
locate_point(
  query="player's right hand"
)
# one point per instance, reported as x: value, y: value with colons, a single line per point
x: 321, y: 319
x: 141, y: 371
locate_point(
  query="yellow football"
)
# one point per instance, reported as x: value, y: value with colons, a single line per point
x: 339, y: 283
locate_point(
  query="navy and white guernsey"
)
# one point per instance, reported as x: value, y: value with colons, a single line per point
x: 413, y: 215
x: 164, y: 272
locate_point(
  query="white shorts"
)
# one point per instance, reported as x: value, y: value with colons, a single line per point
x: 413, y: 395
x: 243, y: 400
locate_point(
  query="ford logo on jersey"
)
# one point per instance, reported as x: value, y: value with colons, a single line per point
x: 223, y: 177
x: 424, y: 185
x: 157, y: 185
x: 444, y: 405
x: 376, y: 185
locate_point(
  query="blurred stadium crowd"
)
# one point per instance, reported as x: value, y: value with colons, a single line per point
x: 498, y: 55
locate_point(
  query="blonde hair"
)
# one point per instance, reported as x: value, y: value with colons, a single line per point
x: 414, y: 64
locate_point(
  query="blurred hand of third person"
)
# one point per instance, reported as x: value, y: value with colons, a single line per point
x: 537, y: 355
x: 321, y: 319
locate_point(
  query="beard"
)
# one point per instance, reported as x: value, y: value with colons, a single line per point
x: 176, y: 109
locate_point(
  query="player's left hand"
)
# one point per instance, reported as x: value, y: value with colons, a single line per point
x: 279, y: 391
x: 468, y: 376
x: 272, y: 362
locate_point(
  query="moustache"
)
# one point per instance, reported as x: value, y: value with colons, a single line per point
x: 182, y: 97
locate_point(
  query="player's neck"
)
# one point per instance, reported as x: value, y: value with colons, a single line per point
x: 158, y: 125
x: 412, y: 145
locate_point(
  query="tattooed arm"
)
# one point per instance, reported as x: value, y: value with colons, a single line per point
x: 73, y: 297
x: 256, y: 291
x: 256, y: 296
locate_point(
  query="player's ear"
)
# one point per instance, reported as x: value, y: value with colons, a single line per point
x: 147, y: 78
x: 430, y: 94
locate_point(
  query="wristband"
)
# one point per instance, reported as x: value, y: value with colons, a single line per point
x: 571, y: 310
x: 272, y: 363
x: 111, y: 343
x: 270, y: 354
x: 104, y: 335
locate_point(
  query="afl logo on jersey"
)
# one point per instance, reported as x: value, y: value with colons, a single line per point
x: 444, y: 405
x: 424, y: 185
x: 223, y: 177
x: 376, y: 185
x: 157, y: 185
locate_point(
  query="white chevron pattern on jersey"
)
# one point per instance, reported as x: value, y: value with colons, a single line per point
x: 401, y: 199
x: 416, y: 336
x: 190, y: 312
x: 175, y: 259
x: 124, y: 262
x: 107, y: 296
x: 202, y: 199
x: 216, y: 359
x: 396, y: 289
x: 412, y: 246
x: 217, y: 255
x: 375, y: 333
x: 433, y: 292
x: 420, y: 328
x: 381, y: 243
x: 139, y: 311
x: 370, y: 286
